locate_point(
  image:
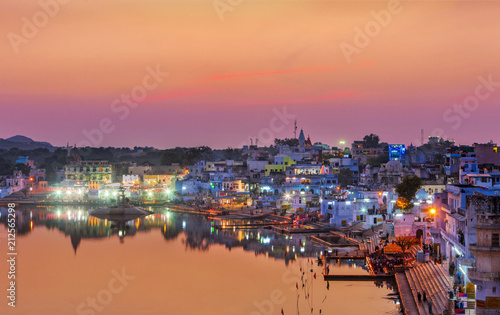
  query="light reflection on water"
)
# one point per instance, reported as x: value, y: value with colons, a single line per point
x: 181, y: 264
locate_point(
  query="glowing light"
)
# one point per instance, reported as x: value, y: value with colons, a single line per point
x: 433, y: 210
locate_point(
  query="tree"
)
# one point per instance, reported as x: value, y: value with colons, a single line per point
x: 292, y: 142
x: 170, y: 157
x: 24, y: 168
x: 407, y: 191
x: 5, y: 167
x: 438, y: 159
x: 345, y: 177
x: 378, y: 160
x: 371, y: 141
x: 406, y: 242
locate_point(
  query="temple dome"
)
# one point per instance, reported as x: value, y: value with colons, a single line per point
x: 394, y: 167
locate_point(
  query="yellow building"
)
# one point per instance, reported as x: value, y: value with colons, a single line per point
x: 279, y: 166
x: 155, y: 180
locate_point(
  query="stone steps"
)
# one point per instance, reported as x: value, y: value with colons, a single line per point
x: 418, y: 288
x: 434, y: 288
x: 414, y: 289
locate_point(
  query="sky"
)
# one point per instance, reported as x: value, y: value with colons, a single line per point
x: 168, y: 73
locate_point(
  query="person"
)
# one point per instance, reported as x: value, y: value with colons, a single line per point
x: 425, y: 297
x: 429, y: 303
x: 419, y: 297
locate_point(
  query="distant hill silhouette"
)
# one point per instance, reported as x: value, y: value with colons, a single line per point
x: 23, y: 143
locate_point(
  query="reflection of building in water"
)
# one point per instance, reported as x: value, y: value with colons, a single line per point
x: 75, y: 241
x: 25, y: 219
x: 80, y: 229
x: 197, y: 233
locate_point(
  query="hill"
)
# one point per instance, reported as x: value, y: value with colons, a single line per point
x: 23, y: 143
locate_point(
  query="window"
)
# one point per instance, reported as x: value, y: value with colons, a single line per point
x: 495, y: 240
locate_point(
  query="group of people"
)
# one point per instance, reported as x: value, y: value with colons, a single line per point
x: 423, y: 299
x: 379, y: 262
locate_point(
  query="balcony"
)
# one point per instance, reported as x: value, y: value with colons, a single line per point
x: 454, y: 240
x: 489, y: 249
x: 473, y: 274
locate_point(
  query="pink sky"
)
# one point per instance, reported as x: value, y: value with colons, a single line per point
x: 226, y: 77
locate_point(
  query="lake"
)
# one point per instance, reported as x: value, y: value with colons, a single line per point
x: 173, y: 263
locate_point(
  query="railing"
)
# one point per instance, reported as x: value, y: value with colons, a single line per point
x: 454, y: 240
x: 488, y: 276
x: 484, y: 248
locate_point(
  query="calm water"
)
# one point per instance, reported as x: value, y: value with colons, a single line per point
x: 171, y: 263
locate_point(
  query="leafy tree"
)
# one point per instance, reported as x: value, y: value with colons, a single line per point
x: 438, y: 159
x: 345, y: 177
x: 170, y: 157
x: 24, y: 168
x: 378, y: 160
x: 407, y: 190
x: 406, y: 242
x: 5, y: 167
x: 233, y: 154
x: 292, y: 142
x: 371, y: 141
x: 194, y: 155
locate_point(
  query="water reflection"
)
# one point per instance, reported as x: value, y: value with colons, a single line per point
x: 197, y: 232
x: 191, y: 250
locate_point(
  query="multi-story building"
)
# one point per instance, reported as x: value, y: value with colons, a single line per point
x: 83, y: 172
x: 359, y: 152
x: 486, y: 249
x: 281, y: 162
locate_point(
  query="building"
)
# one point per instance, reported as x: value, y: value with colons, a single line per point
x: 362, y: 154
x: 397, y: 152
x: 83, y: 172
x: 486, y: 249
x: 281, y: 162
x: 487, y: 153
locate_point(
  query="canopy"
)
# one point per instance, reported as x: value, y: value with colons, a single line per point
x: 392, y: 249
